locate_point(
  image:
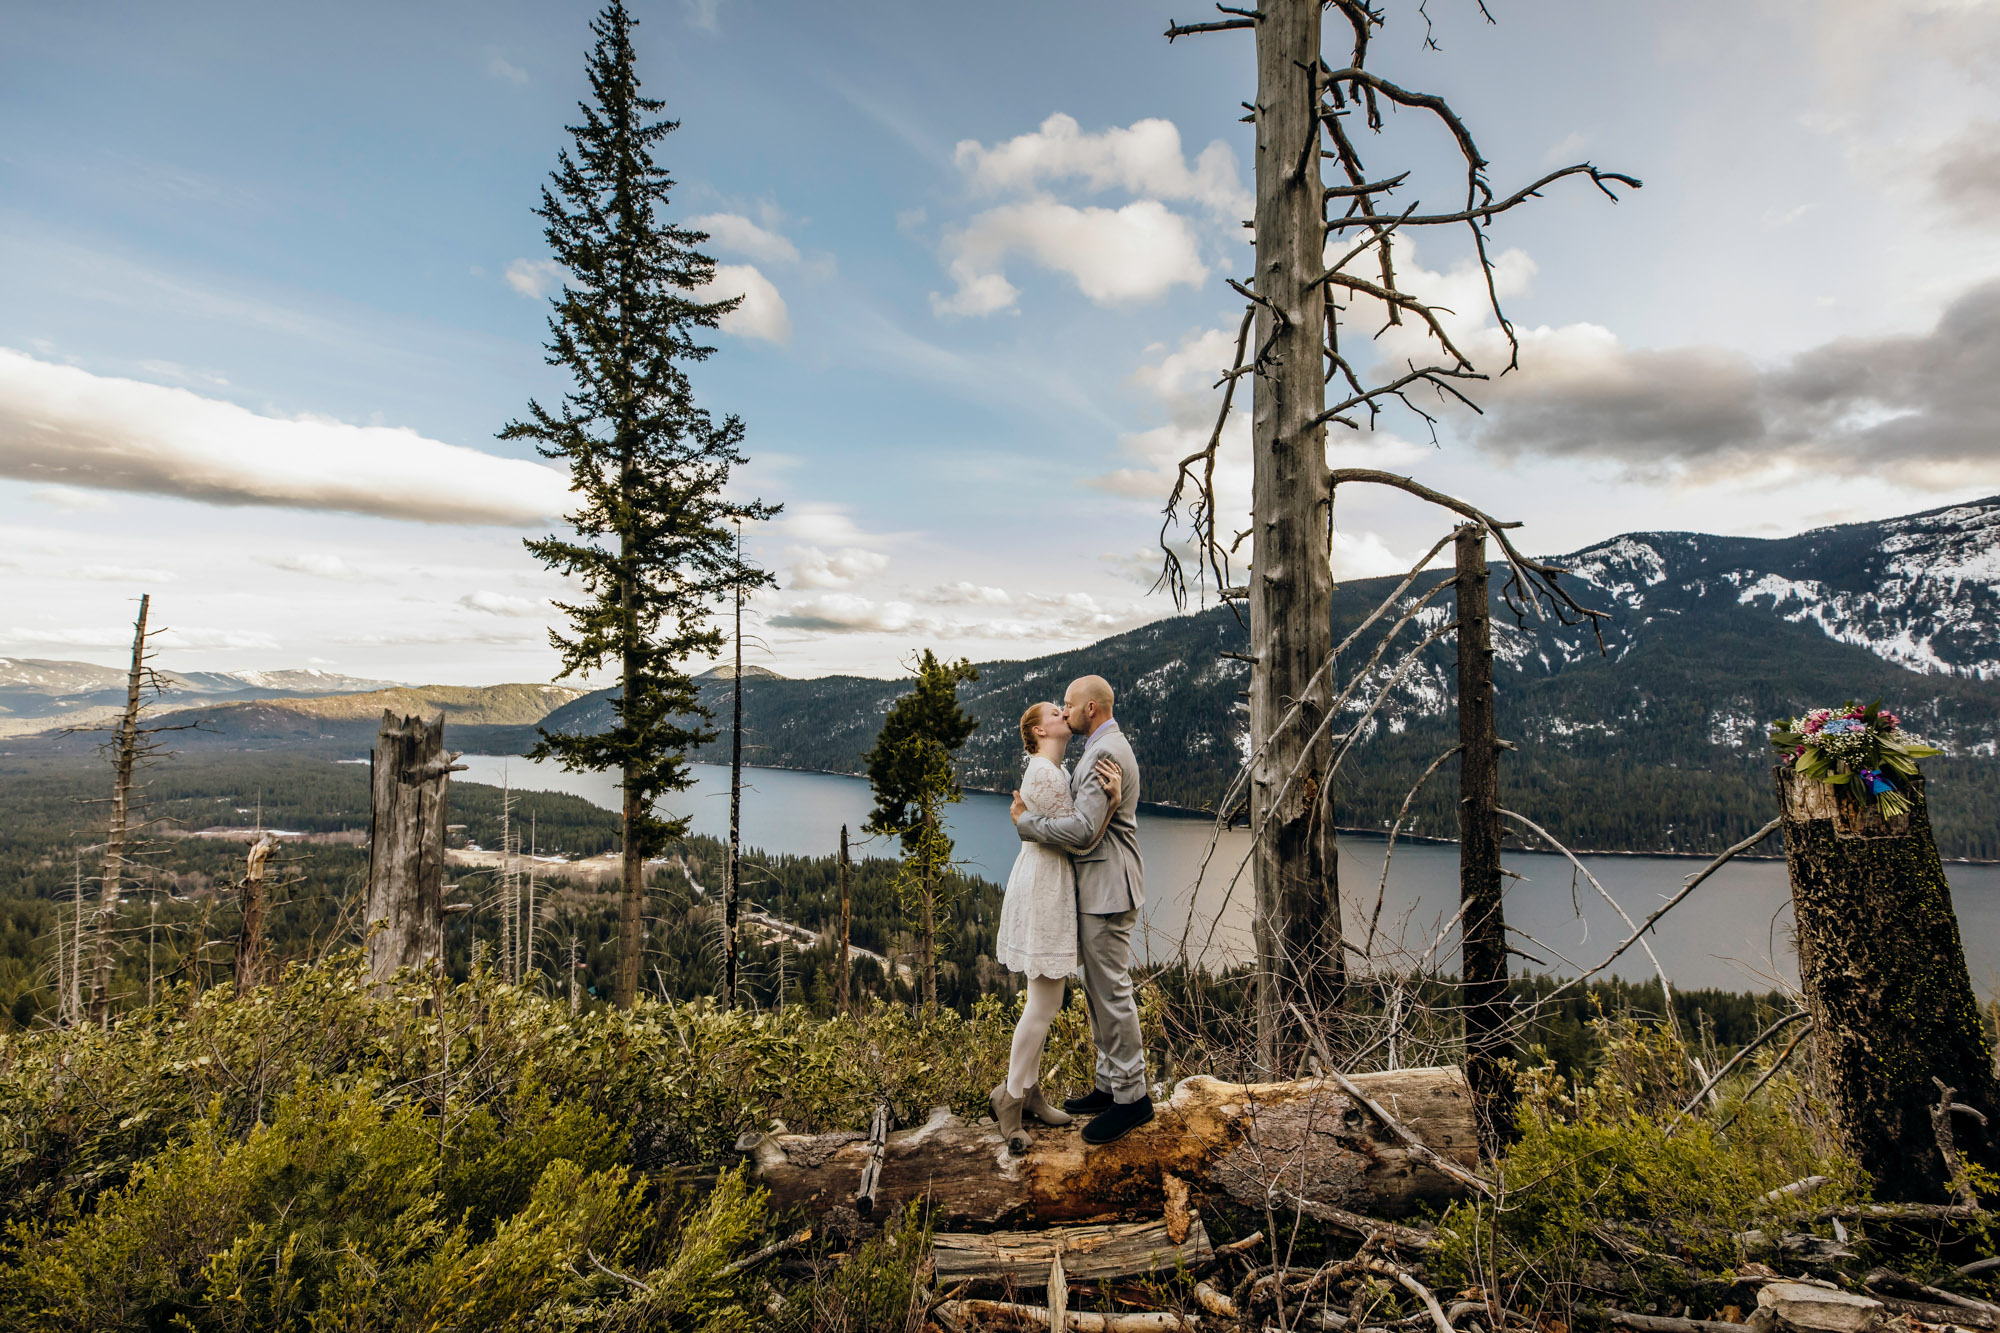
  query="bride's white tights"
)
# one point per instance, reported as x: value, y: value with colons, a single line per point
x: 1045, y: 996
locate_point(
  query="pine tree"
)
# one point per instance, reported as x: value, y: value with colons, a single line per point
x: 911, y: 772
x: 652, y: 544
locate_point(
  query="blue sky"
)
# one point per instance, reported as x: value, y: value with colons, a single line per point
x: 268, y: 274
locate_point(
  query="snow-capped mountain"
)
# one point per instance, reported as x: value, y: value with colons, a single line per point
x: 1921, y: 591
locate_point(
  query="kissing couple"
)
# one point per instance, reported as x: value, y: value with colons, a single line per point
x: 1073, y: 897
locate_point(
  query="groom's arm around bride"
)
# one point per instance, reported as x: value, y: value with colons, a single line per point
x: 1103, y: 841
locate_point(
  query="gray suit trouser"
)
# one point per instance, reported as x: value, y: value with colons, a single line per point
x: 1104, y: 947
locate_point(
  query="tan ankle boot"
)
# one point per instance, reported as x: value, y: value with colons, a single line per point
x: 1038, y: 1106
x: 1007, y: 1110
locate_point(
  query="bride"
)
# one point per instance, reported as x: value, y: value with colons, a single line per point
x: 1037, y: 932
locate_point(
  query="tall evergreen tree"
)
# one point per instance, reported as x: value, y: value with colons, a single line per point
x: 652, y: 545
x: 911, y: 772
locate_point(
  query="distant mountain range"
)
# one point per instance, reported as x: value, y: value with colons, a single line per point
x: 35, y: 694
x: 1655, y: 743
x: 478, y: 717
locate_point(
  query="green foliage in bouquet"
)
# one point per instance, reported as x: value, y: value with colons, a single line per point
x: 1860, y: 750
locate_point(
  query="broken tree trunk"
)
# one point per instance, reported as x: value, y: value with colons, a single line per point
x: 124, y: 755
x: 409, y: 771
x: 1308, y: 1138
x: 1886, y: 983
x: 250, y: 939
x: 1297, y: 921
x: 1489, y: 1044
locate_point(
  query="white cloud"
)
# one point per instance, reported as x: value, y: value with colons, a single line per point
x: 763, y: 313
x: 963, y: 593
x: 120, y: 636
x: 1142, y: 159
x: 814, y: 568
x: 1182, y: 381
x: 534, y: 277
x: 71, y: 500
x: 1115, y: 256
x: 503, y: 604
x: 846, y: 613
x: 321, y: 566
x: 1042, y: 616
x: 734, y: 232
x: 124, y: 574
x: 703, y: 14
x: 66, y: 426
x: 821, y: 524
x: 501, y: 68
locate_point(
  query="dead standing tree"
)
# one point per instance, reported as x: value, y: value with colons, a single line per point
x: 125, y: 752
x: 132, y: 745
x: 1317, y: 245
x: 409, y: 772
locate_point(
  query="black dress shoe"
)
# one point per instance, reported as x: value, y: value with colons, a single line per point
x: 1120, y: 1120
x: 1097, y: 1099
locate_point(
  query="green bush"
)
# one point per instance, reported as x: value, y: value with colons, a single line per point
x: 1608, y: 1184
x: 324, y: 1154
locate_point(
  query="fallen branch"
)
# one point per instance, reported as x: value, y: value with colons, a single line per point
x: 1650, y: 1323
x: 1884, y: 1279
x: 1408, y: 1238
x: 1810, y: 1185
x: 775, y: 1248
x: 1722, y: 1073
x: 1423, y: 1293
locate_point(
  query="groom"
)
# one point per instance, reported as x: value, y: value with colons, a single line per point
x: 1109, y: 893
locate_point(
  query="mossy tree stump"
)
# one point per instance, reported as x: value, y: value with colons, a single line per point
x: 1887, y: 987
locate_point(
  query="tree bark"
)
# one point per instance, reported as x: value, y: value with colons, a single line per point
x: 1297, y: 925
x: 1230, y: 1140
x: 1886, y: 984
x: 250, y: 938
x: 1483, y: 928
x: 409, y: 772
x: 124, y: 755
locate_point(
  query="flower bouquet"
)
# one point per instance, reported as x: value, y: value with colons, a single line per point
x: 1860, y: 751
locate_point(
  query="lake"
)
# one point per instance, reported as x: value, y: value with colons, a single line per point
x: 1732, y: 933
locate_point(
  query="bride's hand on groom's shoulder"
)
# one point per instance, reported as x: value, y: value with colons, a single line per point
x: 1112, y: 777
x: 1018, y: 808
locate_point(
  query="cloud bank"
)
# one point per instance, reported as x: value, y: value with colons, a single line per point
x: 65, y: 427
x: 1920, y: 409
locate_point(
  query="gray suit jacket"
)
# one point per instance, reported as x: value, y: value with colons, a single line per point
x: 1110, y: 877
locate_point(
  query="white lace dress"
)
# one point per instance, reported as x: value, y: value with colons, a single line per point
x: 1037, y: 933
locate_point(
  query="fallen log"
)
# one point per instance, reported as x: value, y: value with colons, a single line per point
x: 1117, y: 1249
x: 1310, y: 1138
x: 1006, y: 1314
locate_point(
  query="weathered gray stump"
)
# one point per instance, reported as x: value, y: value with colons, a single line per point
x: 409, y: 770
x: 1307, y: 1139
x: 250, y: 937
x: 1887, y: 987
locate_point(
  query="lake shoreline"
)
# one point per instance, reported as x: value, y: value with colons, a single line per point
x: 1184, y: 813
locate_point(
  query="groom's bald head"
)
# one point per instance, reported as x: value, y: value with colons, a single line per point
x: 1087, y: 703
